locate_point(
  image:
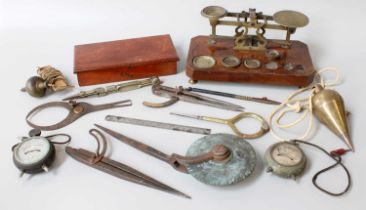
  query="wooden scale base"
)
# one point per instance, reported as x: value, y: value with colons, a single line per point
x: 293, y: 67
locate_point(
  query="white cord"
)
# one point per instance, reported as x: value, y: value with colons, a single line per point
x: 291, y: 104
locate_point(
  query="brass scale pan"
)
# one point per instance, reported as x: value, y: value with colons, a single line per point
x: 287, y: 18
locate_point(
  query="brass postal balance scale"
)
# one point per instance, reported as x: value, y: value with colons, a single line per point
x: 248, y: 57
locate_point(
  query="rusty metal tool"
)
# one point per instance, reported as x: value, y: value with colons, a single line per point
x: 76, y: 110
x: 180, y: 94
x: 263, y: 100
x: 114, y: 168
x: 155, y: 124
x: 216, y: 159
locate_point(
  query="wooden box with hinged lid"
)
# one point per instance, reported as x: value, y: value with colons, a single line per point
x: 128, y: 59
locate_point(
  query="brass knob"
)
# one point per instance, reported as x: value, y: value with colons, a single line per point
x: 35, y: 86
x: 220, y: 153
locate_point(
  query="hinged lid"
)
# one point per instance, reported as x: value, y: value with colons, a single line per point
x: 122, y: 53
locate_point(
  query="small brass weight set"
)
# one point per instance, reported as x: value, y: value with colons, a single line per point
x: 217, y: 159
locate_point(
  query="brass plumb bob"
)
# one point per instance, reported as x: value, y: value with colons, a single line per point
x: 328, y: 107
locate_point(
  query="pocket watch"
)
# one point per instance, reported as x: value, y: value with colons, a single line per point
x: 285, y: 159
x: 35, y: 154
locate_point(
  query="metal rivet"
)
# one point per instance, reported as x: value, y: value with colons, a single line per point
x: 78, y: 109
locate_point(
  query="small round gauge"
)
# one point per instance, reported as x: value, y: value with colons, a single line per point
x: 34, y: 154
x: 285, y: 159
x: 287, y: 154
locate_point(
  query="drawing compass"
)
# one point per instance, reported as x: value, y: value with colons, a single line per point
x: 216, y: 159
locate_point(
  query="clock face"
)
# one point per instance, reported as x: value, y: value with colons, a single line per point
x: 287, y: 154
x: 32, y: 151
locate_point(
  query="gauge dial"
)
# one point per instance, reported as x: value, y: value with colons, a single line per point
x: 287, y: 154
x: 32, y: 151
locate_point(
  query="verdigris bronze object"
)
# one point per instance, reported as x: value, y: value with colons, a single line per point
x: 239, y: 166
x: 216, y: 159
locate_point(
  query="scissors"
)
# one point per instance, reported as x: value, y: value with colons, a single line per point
x: 76, y: 110
x: 232, y: 121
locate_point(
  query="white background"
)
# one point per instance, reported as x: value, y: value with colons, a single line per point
x: 36, y: 33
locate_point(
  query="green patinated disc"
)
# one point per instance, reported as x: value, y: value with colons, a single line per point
x: 239, y: 167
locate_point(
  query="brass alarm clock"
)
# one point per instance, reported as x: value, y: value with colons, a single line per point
x: 285, y: 159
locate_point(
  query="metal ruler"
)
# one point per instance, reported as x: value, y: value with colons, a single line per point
x: 155, y: 124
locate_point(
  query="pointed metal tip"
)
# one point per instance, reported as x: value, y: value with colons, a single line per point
x: 275, y: 102
x: 71, y: 98
x: 184, y: 115
x: 99, y: 126
x: 109, y: 131
x: 186, y: 196
x: 348, y: 141
x: 181, y: 194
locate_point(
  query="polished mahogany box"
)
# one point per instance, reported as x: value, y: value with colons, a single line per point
x: 128, y: 59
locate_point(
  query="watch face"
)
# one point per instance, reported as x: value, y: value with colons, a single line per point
x: 32, y: 151
x: 287, y: 154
